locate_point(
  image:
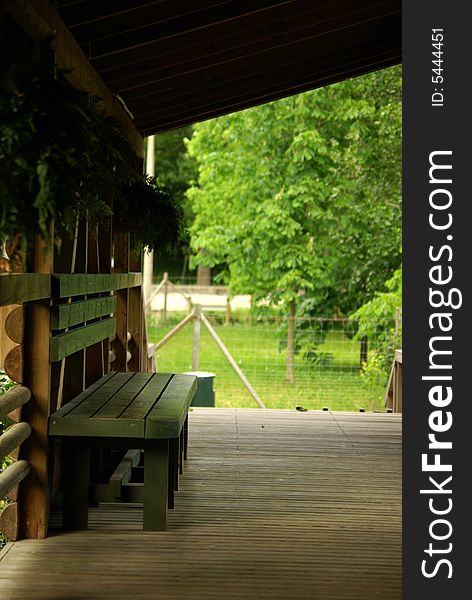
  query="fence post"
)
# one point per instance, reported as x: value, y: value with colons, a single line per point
x: 364, y: 351
x: 228, y: 311
x: 291, y: 343
x: 166, y: 291
x: 196, y: 336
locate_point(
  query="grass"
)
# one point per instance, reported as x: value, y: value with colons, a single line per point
x: 256, y: 348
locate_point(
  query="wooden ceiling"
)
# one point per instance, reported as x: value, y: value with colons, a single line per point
x: 175, y: 62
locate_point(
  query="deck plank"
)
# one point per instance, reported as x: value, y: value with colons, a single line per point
x: 273, y: 505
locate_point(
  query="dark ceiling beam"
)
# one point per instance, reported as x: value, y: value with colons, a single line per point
x: 155, y: 125
x: 282, y: 23
x: 310, y: 51
x: 250, y: 53
x: 177, y: 26
x: 259, y: 83
x: 214, y: 33
x: 95, y: 27
x: 245, y: 47
x: 84, y: 11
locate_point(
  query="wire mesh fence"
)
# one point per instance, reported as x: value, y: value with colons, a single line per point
x: 332, y: 364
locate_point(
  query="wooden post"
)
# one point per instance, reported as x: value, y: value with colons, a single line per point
x: 135, y: 344
x: 228, y: 311
x: 166, y: 291
x: 291, y: 343
x: 120, y: 343
x: 196, y: 336
x: 34, y: 492
x: 156, y: 479
x: 148, y: 261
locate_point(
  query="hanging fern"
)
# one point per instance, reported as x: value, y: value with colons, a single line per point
x: 145, y: 208
x: 61, y: 158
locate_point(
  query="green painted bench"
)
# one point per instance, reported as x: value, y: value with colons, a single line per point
x: 126, y: 410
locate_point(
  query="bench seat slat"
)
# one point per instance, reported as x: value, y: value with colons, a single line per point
x: 128, y: 405
x: 147, y: 397
x: 99, y: 397
x: 166, y: 418
x: 67, y: 408
x: 119, y: 402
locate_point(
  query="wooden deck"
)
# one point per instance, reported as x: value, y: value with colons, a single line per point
x: 273, y: 504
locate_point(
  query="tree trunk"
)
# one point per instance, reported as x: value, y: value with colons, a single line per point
x: 184, y: 269
x: 364, y: 352
x: 203, y: 275
x: 291, y: 343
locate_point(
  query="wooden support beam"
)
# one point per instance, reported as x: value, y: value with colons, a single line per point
x: 34, y: 491
x: 135, y: 323
x: 38, y: 18
x: 121, y: 251
x: 16, y: 288
x: 34, y: 503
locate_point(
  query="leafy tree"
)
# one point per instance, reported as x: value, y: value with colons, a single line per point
x: 300, y: 198
x: 380, y: 321
x: 177, y: 170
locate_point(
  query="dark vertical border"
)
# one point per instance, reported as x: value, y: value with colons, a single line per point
x: 426, y: 129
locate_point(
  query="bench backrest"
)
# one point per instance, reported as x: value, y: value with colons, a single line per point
x: 77, y: 323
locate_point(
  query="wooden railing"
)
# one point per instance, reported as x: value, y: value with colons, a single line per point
x: 14, y: 474
x: 393, y: 396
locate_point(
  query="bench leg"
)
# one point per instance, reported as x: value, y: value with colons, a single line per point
x: 156, y: 474
x: 181, y: 452
x: 75, y: 482
x: 185, y: 437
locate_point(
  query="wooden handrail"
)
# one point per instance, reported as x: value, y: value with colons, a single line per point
x: 13, y: 437
x: 13, y: 399
x: 12, y: 476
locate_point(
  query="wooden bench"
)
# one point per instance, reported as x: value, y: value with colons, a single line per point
x: 126, y: 410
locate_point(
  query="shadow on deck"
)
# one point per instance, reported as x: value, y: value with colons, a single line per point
x: 273, y: 504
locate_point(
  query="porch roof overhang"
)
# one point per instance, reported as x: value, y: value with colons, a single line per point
x: 175, y: 62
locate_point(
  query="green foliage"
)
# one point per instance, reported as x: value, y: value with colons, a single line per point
x: 62, y: 159
x: 146, y: 209
x: 301, y: 198
x: 176, y: 169
x: 378, y: 320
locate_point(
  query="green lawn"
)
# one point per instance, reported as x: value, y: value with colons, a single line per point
x: 255, y: 347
